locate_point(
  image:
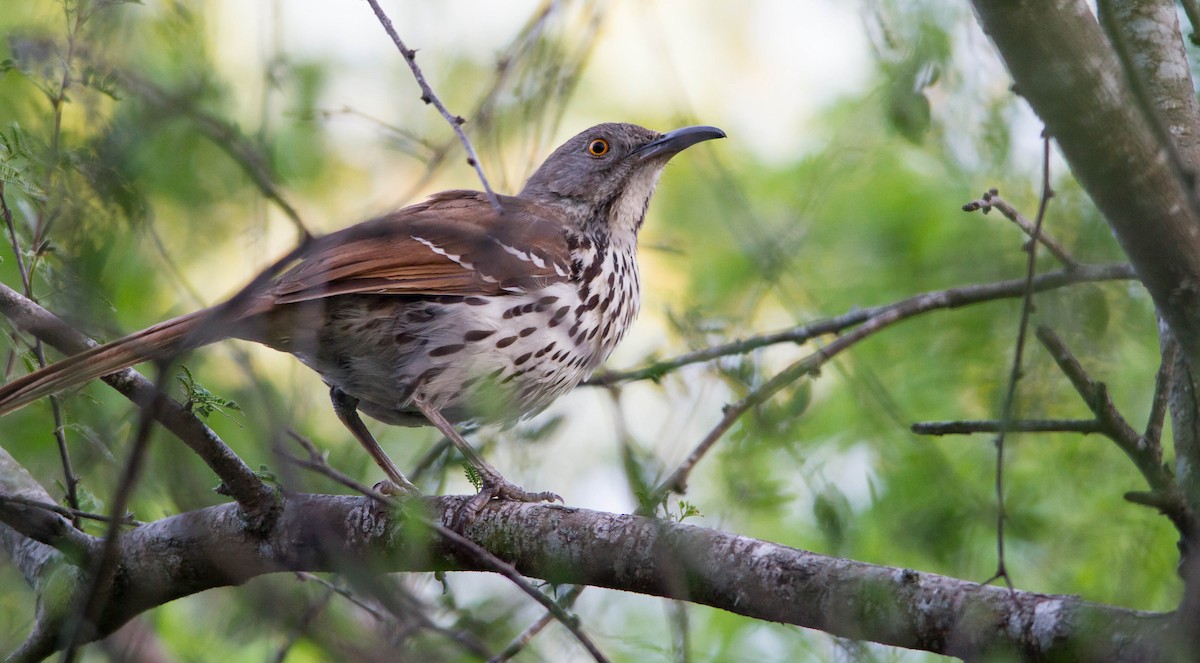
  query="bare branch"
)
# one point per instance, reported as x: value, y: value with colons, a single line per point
x: 899, y: 607
x: 1146, y: 457
x: 428, y: 96
x: 927, y: 301
x: 677, y: 481
x: 521, y: 641
x: 478, y: 554
x: 1065, y: 67
x: 1085, y: 426
x: 1162, y: 392
x: 225, y: 136
x: 239, y: 480
x: 70, y: 481
x: 991, y: 200
x: 128, y: 519
x: 1015, y: 372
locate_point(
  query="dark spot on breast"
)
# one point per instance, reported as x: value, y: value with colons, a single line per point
x: 612, y: 278
x: 522, y: 359
x: 546, y: 349
x: 545, y: 302
x: 428, y: 375
x: 526, y: 331
x: 506, y: 341
x: 403, y: 338
x: 475, y: 301
x: 444, y: 350
x: 592, y: 302
x: 420, y: 314
x: 478, y: 335
x: 559, y: 315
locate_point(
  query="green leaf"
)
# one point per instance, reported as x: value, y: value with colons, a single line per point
x: 203, y: 402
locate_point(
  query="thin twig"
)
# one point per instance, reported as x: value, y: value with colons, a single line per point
x: 68, y: 512
x: 473, y: 550
x: 991, y: 200
x: 317, y: 463
x: 1010, y: 394
x: 947, y: 299
x: 224, y: 136
x: 521, y: 641
x: 104, y: 570
x: 428, y: 96
x: 1147, y: 457
x: 241, y: 482
x: 310, y: 613
x: 70, y: 480
x: 1085, y: 426
x: 677, y: 481
x: 1193, y: 16
x: 1162, y: 392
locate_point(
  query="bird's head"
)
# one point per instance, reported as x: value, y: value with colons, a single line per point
x: 603, y: 178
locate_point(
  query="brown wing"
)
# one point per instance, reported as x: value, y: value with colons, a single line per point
x: 452, y: 244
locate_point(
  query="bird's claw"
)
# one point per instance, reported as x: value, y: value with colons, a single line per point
x: 392, y: 489
x: 498, y: 488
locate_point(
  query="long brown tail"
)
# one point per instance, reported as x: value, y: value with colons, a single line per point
x: 163, y: 339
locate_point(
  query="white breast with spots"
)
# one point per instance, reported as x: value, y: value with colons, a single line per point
x: 501, y: 358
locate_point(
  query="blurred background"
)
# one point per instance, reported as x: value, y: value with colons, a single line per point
x: 856, y: 131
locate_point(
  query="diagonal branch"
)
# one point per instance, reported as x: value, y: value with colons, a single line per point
x: 239, y: 480
x: 991, y: 200
x: 1065, y: 67
x: 1145, y: 454
x: 929, y: 301
x: 225, y: 136
x: 428, y: 96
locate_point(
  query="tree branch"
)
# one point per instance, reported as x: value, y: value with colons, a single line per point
x: 991, y: 200
x: 1085, y: 426
x: 240, y: 481
x: 928, y: 301
x: 209, y: 548
x: 1146, y: 456
x: 428, y: 96
x: 1063, y: 65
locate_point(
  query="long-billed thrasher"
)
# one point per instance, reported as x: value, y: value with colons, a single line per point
x: 447, y: 311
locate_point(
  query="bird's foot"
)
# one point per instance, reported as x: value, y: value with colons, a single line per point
x: 394, y: 489
x: 495, y: 487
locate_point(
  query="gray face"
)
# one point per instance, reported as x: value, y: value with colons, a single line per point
x: 610, y: 170
x: 590, y: 167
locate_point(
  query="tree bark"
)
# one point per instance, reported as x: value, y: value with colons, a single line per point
x: 1065, y: 67
x: 191, y: 552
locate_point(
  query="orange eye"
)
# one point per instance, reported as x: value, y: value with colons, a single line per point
x: 598, y: 147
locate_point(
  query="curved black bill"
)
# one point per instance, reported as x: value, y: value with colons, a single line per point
x: 676, y: 141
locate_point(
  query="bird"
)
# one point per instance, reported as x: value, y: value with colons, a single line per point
x: 463, y: 308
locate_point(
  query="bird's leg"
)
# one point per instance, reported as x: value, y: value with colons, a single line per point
x: 345, y: 407
x: 494, y: 485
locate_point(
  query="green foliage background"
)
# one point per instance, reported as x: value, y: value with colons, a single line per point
x: 130, y: 213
